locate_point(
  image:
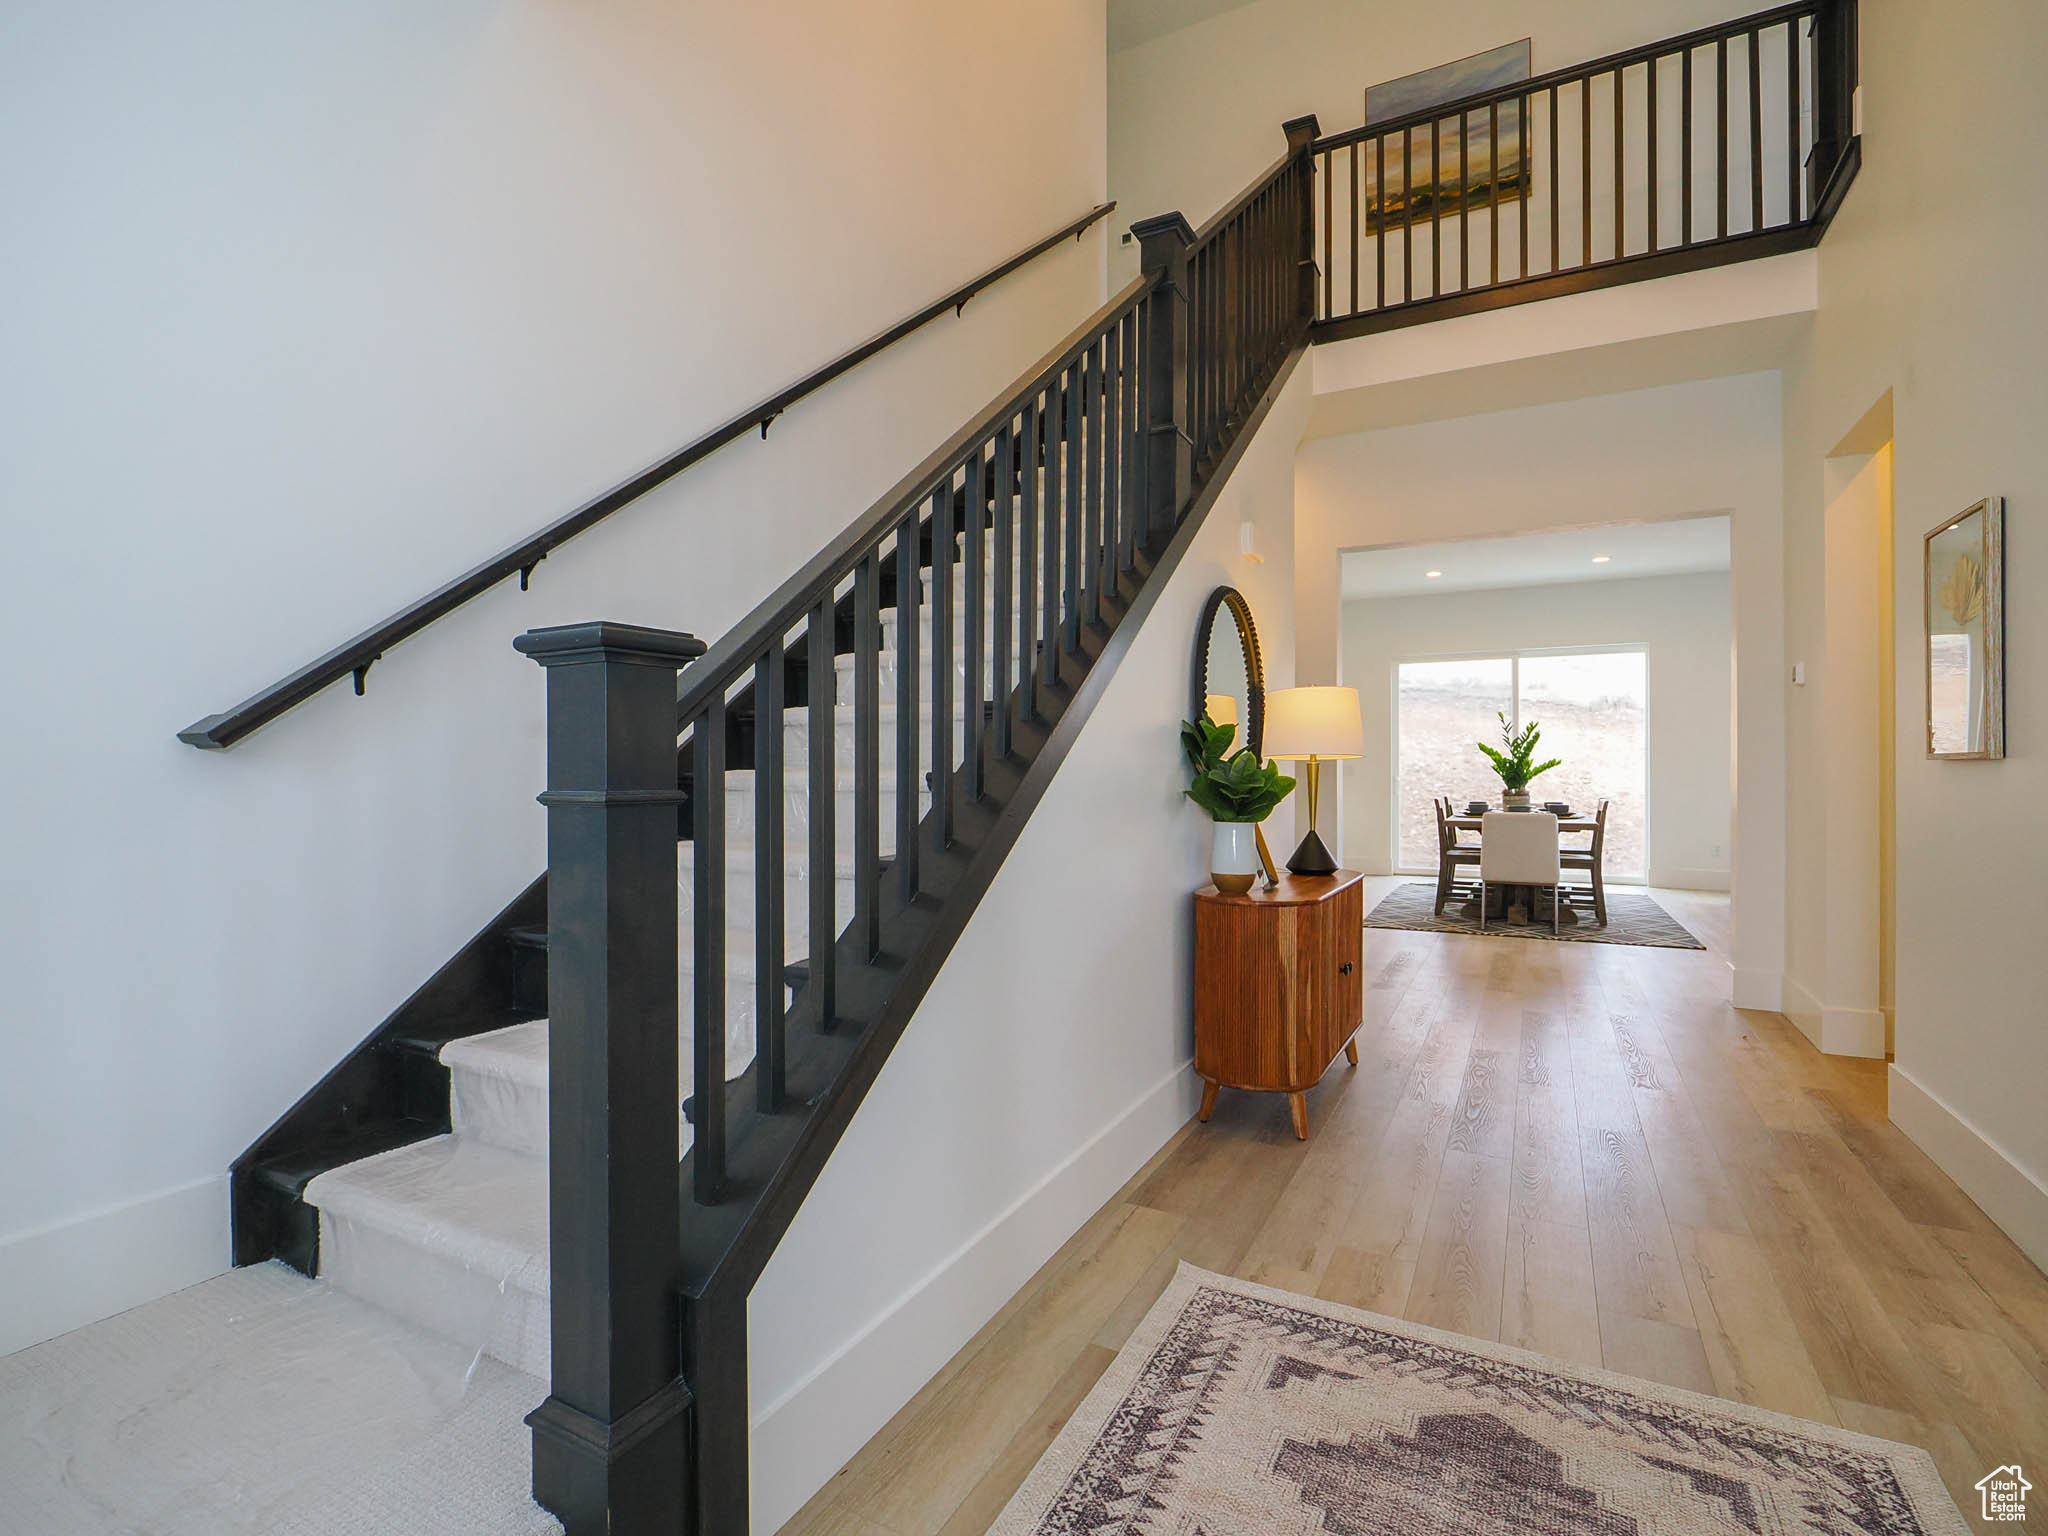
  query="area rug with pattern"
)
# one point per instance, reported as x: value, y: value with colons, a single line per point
x: 1238, y: 1410
x: 1631, y: 919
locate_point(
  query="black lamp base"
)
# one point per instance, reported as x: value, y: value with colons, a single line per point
x: 1312, y: 857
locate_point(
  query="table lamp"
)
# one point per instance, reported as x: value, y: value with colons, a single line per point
x: 1314, y: 726
x: 1221, y: 708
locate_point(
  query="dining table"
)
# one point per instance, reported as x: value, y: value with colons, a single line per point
x: 1566, y: 917
x: 1565, y: 824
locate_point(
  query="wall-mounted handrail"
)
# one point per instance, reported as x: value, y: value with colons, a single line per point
x: 354, y: 658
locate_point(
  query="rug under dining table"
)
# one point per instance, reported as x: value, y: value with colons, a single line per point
x: 1239, y: 1410
x: 1631, y: 919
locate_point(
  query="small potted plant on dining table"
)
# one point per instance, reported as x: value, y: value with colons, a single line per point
x: 1238, y: 791
x: 1514, y: 761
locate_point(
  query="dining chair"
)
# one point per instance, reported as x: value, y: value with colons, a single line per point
x: 1519, y: 848
x: 1450, y: 853
x: 1591, y: 859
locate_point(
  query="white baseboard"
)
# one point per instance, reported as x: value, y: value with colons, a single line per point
x: 804, y: 1437
x: 1675, y: 879
x: 60, y: 1277
x: 1834, y: 1030
x: 1803, y: 1009
x: 1763, y: 990
x: 1853, y: 1032
x: 1988, y: 1174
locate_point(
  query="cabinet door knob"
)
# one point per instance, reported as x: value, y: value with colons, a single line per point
x: 1344, y: 969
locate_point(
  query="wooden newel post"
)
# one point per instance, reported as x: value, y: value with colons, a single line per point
x: 609, y: 1444
x: 1302, y: 133
x: 1163, y: 243
x: 1834, y: 92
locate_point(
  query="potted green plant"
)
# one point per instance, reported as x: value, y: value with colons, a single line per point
x: 1514, y: 761
x: 1238, y: 791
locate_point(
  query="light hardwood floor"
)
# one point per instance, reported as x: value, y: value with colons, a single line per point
x: 1582, y: 1149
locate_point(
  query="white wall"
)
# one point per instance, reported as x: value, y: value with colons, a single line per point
x: 1024, y: 1094
x: 1673, y: 451
x: 1835, y: 937
x: 1716, y: 323
x: 1930, y: 289
x: 308, y: 309
x: 1682, y: 621
x: 1195, y: 113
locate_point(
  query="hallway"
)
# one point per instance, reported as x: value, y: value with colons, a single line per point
x: 1581, y: 1149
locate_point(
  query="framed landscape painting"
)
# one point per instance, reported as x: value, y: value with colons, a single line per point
x: 1965, y: 606
x: 1477, y: 168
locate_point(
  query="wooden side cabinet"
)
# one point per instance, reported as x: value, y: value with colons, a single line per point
x: 1279, y: 988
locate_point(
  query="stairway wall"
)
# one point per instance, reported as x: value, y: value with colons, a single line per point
x: 1051, y: 1058
x: 310, y: 310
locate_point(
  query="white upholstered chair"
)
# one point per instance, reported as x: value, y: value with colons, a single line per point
x: 1519, y: 848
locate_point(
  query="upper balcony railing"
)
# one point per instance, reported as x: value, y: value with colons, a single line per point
x: 1731, y: 142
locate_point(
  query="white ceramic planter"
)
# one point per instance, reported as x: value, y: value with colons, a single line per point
x: 1234, y: 857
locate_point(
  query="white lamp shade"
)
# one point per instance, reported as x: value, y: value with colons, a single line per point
x: 1314, y: 722
x: 1221, y: 708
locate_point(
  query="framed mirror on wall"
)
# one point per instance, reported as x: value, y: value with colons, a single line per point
x: 1964, y: 594
x: 1230, y: 674
x: 1230, y: 685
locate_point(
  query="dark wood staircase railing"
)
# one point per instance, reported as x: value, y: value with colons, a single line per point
x: 1040, y: 535
x: 1729, y: 143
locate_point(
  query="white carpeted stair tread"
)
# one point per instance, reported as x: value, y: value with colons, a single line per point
x: 796, y: 717
x: 739, y: 859
x: 518, y: 1054
x: 449, y: 1233
x: 498, y: 1087
x: 484, y: 1206
x: 739, y: 965
x: 498, y: 1082
x: 742, y: 784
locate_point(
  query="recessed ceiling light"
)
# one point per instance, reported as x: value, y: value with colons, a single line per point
x: 1602, y: 559
x: 1432, y: 575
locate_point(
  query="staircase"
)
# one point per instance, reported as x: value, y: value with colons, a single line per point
x: 451, y: 1232
x: 577, y: 1145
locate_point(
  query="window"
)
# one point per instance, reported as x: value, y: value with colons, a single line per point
x: 1593, y: 710
x: 1441, y: 709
